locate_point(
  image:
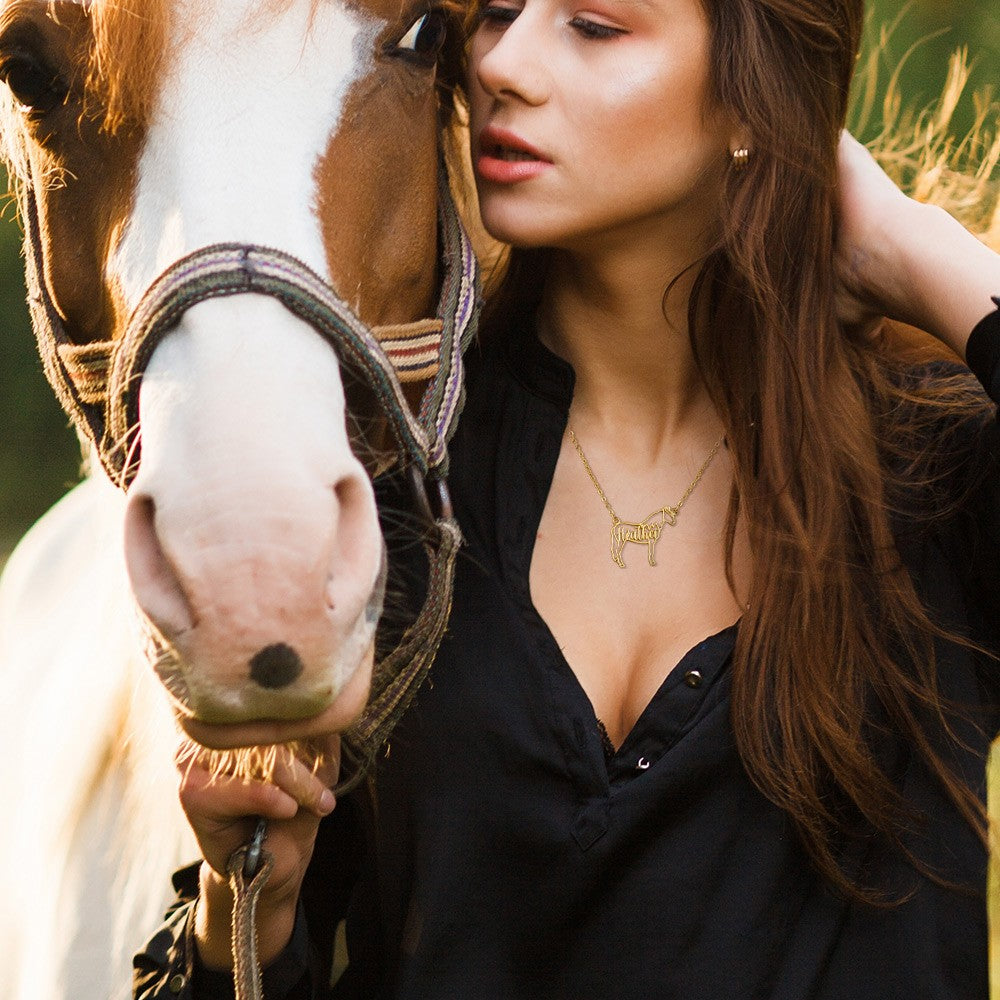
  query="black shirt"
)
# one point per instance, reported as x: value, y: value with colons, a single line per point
x: 513, y: 858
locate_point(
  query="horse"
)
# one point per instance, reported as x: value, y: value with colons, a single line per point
x: 214, y: 194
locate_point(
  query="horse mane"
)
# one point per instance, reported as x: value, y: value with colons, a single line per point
x: 129, y: 44
x: 129, y: 41
x: 128, y: 48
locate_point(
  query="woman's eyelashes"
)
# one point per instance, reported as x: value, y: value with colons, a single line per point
x: 498, y: 13
x: 595, y: 29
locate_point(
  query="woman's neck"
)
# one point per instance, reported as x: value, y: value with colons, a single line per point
x: 629, y: 345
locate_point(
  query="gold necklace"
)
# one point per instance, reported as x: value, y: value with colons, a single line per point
x: 645, y: 532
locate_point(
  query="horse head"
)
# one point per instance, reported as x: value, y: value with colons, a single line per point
x: 214, y: 193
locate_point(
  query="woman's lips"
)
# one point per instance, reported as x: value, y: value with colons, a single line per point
x: 506, y: 158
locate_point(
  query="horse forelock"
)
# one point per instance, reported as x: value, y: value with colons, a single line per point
x: 129, y: 42
x: 123, y: 64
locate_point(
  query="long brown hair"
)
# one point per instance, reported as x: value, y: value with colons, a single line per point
x: 832, y: 440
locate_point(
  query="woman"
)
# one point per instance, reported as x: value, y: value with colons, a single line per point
x: 732, y: 748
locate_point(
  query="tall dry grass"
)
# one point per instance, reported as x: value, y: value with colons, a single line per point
x: 921, y: 150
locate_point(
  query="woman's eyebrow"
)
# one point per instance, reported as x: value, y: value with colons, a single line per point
x: 640, y: 4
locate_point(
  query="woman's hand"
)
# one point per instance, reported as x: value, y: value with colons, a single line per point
x: 223, y: 811
x: 898, y: 258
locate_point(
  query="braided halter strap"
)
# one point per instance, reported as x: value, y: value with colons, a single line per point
x: 232, y: 269
x: 98, y: 384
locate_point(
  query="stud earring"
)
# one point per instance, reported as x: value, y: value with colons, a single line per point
x: 741, y: 157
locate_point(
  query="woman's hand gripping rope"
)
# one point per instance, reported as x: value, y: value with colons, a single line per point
x: 224, y: 795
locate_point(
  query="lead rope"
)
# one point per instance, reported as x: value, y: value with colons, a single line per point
x: 248, y: 868
x: 250, y: 865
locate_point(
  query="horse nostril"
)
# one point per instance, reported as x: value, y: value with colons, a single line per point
x: 276, y: 666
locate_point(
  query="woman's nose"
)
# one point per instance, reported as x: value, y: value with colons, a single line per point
x: 510, y: 63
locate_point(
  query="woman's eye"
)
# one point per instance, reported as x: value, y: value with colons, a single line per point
x: 595, y: 29
x: 35, y: 86
x: 425, y: 38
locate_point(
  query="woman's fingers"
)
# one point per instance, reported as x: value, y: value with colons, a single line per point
x: 224, y: 798
x: 309, y: 785
x: 291, y: 793
x: 211, y: 789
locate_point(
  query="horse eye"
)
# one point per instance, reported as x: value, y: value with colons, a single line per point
x: 425, y: 38
x: 35, y: 86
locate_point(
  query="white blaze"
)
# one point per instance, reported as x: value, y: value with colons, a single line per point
x: 247, y: 108
x: 260, y: 510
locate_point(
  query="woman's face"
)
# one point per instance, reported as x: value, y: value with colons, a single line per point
x: 592, y: 121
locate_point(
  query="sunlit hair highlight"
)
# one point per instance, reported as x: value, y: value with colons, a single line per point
x: 130, y: 40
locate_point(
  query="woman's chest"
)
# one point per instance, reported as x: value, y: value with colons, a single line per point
x: 626, y: 600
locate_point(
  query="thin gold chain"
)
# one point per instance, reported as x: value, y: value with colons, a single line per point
x: 675, y: 510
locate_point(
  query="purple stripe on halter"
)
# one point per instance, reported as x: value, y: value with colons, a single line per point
x: 446, y: 412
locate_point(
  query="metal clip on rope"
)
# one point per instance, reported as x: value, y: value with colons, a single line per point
x: 248, y: 869
x: 254, y: 849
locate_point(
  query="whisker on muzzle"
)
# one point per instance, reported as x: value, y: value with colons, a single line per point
x: 250, y: 764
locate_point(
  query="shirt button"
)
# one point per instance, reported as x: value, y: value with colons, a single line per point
x: 693, y: 678
x: 176, y: 984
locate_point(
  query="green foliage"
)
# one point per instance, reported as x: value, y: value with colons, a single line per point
x: 923, y: 34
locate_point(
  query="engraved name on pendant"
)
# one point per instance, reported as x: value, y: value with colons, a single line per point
x: 645, y: 532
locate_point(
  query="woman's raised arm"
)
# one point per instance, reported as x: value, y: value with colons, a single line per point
x: 905, y: 260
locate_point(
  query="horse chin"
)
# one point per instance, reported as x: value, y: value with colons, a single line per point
x: 263, y: 731
x: 223, y: 717
x: 224, y: 708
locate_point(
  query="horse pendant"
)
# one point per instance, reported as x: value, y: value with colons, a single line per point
x: 645, y: 532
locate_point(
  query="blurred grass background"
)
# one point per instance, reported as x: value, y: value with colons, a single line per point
x: 39, y: 454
